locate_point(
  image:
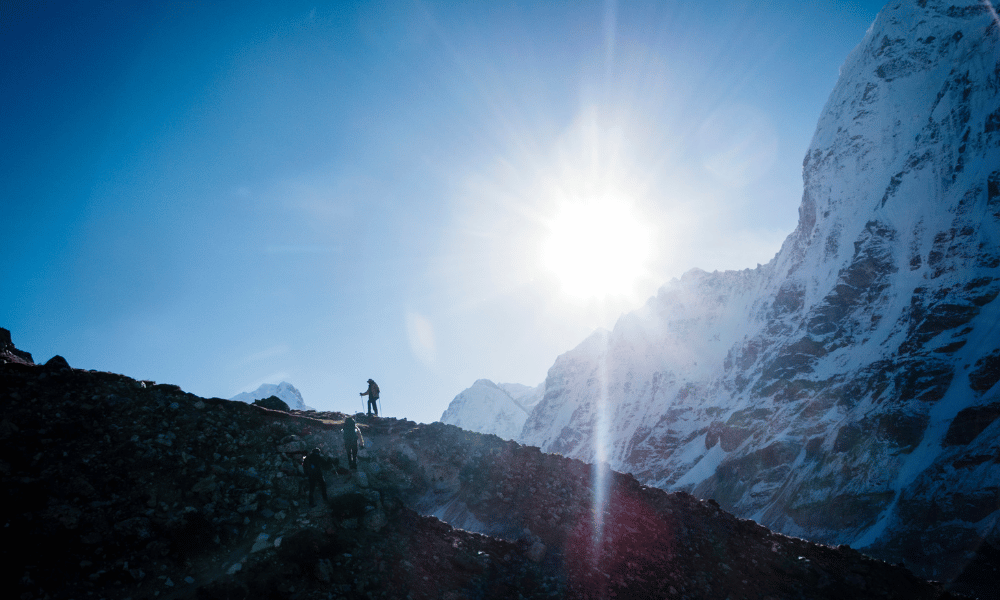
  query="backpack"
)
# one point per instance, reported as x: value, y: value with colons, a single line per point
x: 375, y: 391
x: 350, y: 431
x: 313, y: 464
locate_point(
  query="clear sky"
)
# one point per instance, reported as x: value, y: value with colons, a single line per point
x: 221, y: 195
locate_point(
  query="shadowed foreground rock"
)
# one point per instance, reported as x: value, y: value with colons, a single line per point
x: 118, y: 488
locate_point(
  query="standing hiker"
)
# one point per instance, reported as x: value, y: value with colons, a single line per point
x: 313, y: 467
x: 372, y: 394
x: 352, y: 435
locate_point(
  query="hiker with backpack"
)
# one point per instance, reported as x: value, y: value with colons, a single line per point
x: 352, y: 436
x: 372, y: 394
x: 312, y: 465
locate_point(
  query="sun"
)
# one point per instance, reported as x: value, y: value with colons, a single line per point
x: 597, y: 248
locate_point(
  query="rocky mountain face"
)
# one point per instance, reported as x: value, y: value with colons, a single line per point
x: 846, y: 391
x: 487, y: 407
x: 116, y: 488
x: 284, y: 391
x: 9, y: 353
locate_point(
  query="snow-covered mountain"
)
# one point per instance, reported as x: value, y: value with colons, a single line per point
x: 283, y: 390
x: 487, y: 407
x: 846, y: 391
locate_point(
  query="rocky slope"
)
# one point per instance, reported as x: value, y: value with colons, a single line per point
x: 114, y: 488
x: 846, y: 391
x: 487, y: 407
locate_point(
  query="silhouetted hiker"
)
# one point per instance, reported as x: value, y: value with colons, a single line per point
x: 372, y: 394
x: 352, y: 435
x: 313, y: 466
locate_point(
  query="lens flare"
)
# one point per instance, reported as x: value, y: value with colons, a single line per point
x: 601, y: 469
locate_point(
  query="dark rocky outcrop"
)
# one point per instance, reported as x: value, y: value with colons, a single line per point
x: 8, y: 353
x: 986, y: 373
x: 969, y: 423
x: 272, y: 402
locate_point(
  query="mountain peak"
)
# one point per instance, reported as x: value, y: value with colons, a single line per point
x: 283, y: 390
x: 488, y: 407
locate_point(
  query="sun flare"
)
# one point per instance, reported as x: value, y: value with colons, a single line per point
x: 596, y: 248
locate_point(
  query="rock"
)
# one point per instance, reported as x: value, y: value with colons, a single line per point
x: 324, y: 570
x: 135, y: 528
x: 9, y: 353
x: 293, y: 448
x: 537, y: 552
x: 272, y: 402
x: 969, y: 423
x: 261, y: 543
x: 375, y: 520
x: 986, y: 373
x: 468, y: 562
x: 57, y: 363
x: 205, y: 485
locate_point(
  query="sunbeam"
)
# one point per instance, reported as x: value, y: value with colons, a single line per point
x: 601, y: 469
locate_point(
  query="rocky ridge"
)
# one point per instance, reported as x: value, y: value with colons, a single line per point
x: 116, y: 488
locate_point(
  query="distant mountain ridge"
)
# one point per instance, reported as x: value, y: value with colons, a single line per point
x: 283, y: 390
x: 845, y: 392
x: 487, y: 407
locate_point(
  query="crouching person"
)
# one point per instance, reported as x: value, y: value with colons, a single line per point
x: 313, y: 467
x: 352, y: 437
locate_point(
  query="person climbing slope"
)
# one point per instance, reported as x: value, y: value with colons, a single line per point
x: 372, y: 394
x: 313, y: 467
x: 352, y: 436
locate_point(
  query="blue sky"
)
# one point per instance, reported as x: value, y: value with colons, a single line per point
x: 225, y: 195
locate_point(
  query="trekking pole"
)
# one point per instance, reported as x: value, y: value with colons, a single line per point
x: 379, y: 400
